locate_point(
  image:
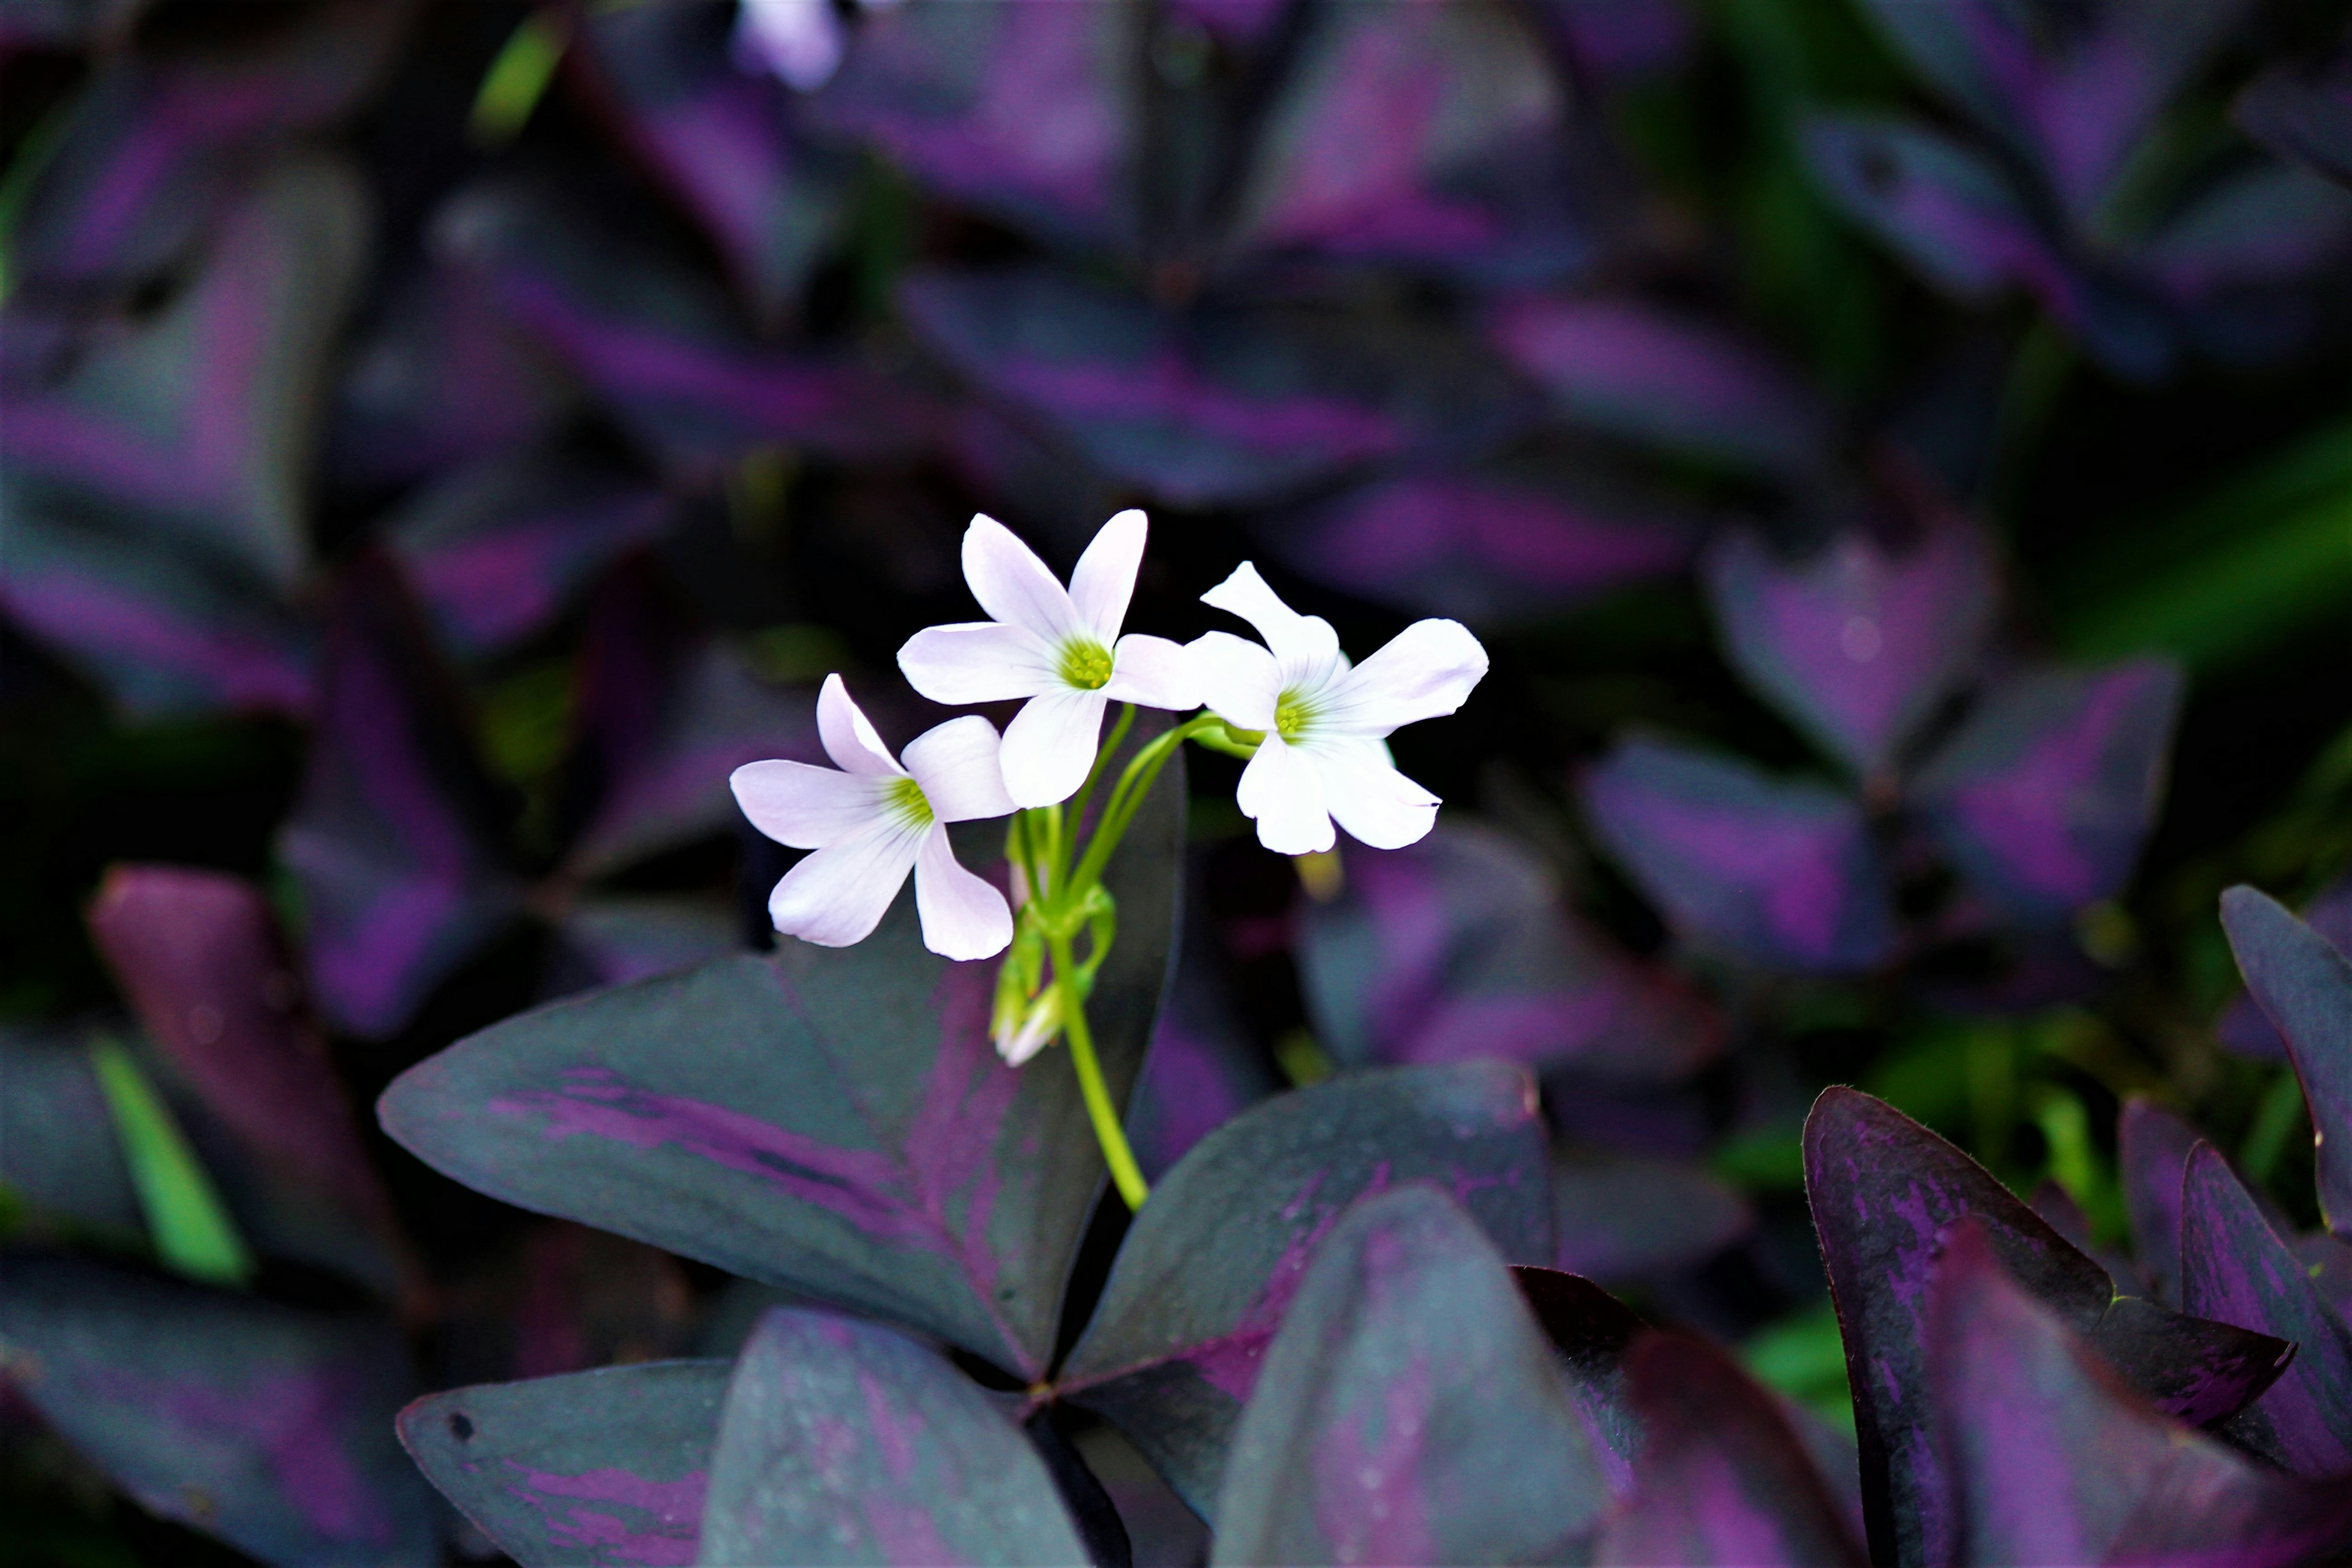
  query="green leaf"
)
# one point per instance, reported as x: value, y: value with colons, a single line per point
x: 517, y: 78
x: 186, y: 1217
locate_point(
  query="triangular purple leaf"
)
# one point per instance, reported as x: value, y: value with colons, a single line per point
x: 1211, y: 1264
x: 2305, y: 984
x: 2267, y: 225
x: 1589, y: 1331
x: 2152, y: 1148
x: 1780, y: 875
x: 603, y: 1466
x: 2243, y: 1027
x: 1409, y: 1410
x: 1859, y: 644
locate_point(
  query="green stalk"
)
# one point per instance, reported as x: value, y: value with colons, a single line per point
x: 188, y: 1222
x: 1124, y: 1173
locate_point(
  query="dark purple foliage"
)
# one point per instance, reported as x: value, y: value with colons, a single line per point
x: 1623, y: 1216
x: 2305, y: 985
x: 2151, y: 1152
x: 2243, y: 1026
x: 2304, y: 115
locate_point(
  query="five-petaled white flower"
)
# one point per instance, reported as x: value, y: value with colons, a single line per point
x: 874, y: 821
x: 1326, y: 724
x: 1059, y: 648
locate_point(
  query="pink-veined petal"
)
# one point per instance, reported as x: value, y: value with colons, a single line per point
x: 1426, y: 670
x: 1362, y: 787
x: 1013, y: 586
x: 849, y: 740
x: 1153, y: 672
x: 838, y: 894
x: 1105, y: 579
x: 978, y: 661
x: 803, y: 805
x: 963, y: 917
x: 957, y: 765
x: 1236, y: 680
x: 1282, y: 791
x: 1050, y: 744
x: 1305, y: 646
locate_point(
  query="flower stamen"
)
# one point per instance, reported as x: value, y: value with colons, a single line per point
x: 1292, y: 715
x: 904, y: 799
x: 1085, y: 664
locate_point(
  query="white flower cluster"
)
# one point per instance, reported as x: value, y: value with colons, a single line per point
x: 1318, y: 725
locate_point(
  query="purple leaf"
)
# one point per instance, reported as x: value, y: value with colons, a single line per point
x: 162, y: 630
x: 495, y: 549
x: 2243, y: 1028
x: 2304, y: 115
x: 1859, y: 644
x: 158, y: 142
x: 1620, y: 40
x: 2044, y: 797
x: 59, y: 1153
x: 201, y: 415
x: 2304, y: 986
x: 1425, y: 136
x: 1460, y: 947
x: 832, y: 1119
x: 1031, y: 113
x: 1665, y: 379
x: 1945, y: 210
x: 1212, y: 1263
x: 1201, y: 1071
x: 621, y: 939
x: 267, y: 1426
x: 1409, y: 1410
x: 2152, y: 1148
x: 1722, y: 1481
x: 444, y: 377
x: 390, y: 841
x: 718, y: 137
x: 1780, y: 875
x: 2328, y: 1262
x: 1220, y: 405
x: 199, y: 957
x: 2267, y: 225
x: 604, y: 1467
x: 1588, y: 1330
x: 2052, y: 1459
x: 843, y: 1441
x: 1486, y: 545
x: 658, y: 346
x: 2234, y: 1267
x: 1239, y: 23
x: 1885, y: 1193
x: 1623, y: 1216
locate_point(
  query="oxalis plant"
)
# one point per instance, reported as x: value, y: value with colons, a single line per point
x: 1333, y: 1330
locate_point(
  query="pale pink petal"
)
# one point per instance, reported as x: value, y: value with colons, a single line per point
x: 838, y: 894
x: 804, y: 806
x: 1426, y: 670
x: 956, y: 764
x: 978, y: 661
x: 963, y: 917
x: 1236, y: 680
x: 1377, y: 804
x: 1013, y: 586
x: 1282, y: 790
x: 1153, y: 672
x: 1305, y: 646
x: 1105, y: 579
x: 848, y: 738
x: 1050, y: 745
x: 798, y: 41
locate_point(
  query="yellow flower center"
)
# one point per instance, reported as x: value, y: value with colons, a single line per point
x: 904, y: 799
x: 1085, y: 664
x: 1292, y: 716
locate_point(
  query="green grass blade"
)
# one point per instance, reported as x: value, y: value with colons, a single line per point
x: 186, y: 1217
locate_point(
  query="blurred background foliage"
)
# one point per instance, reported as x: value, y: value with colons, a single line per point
x: 536, y: 401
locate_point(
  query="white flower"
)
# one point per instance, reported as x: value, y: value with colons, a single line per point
x: 1059, y: 648
x: 800, y: 42
x: 874, y: 821
x: 1327, y: 724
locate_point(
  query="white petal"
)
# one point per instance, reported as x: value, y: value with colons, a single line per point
x: 1377, y: 804
x: 848, y: 738
x: 963, y: 917
x: 1282, y: 790
x: 1013, y: 586
x: 978, y: 661
x: 1050, y: 744
x: 799, y: 41
x: 838, y: 894
x: 956, y: 764
x: 1105, y: 579
x: 1305, y: 646
x: 1236, y: 680
x: 1427, y: 669
x: 804, y: 806
x: 1153, y: 673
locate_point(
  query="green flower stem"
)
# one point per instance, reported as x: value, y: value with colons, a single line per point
x: 1124, y: 1173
